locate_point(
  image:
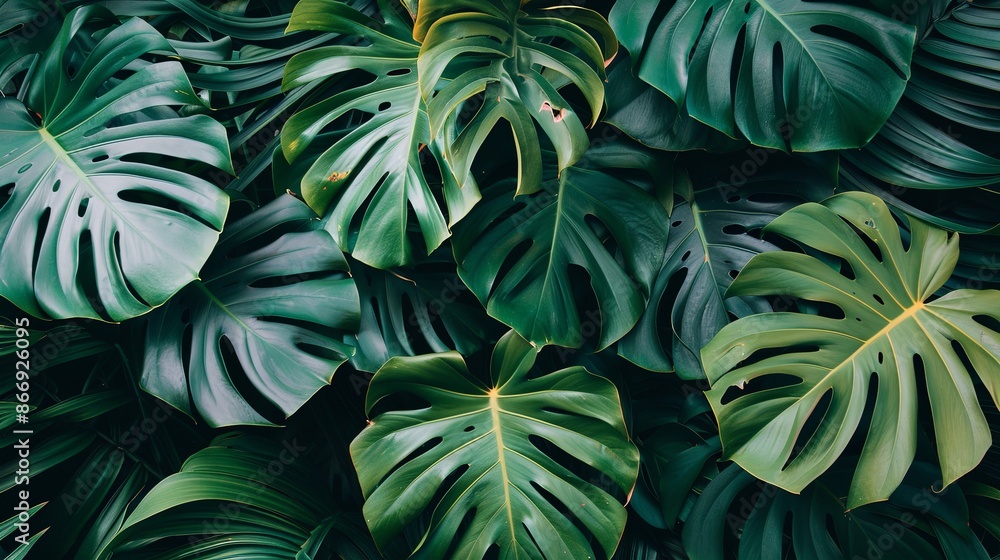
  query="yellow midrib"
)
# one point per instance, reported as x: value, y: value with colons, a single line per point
x: 495, y: 415
x: 908, y: 314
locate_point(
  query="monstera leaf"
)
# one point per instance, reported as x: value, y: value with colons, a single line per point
x: 714, y: 231
x: 262, y: 496
x: 373, y: 175
x: 273, y: 304
x: 518, y: 56
x: 882, y: 326
x: 549, y: 236
x: 86, y: 209
x: 483, y: 445
x: 785, y: 73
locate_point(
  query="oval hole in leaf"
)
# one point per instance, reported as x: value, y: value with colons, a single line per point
x: 757, y: 384
x: 812, y: 424
x: 260, y: 403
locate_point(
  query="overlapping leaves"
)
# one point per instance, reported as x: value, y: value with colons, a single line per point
x: 574, y: 223
x: 737, y: 516
x: 415, y: 311
x: 263, y: 515
x: 714, y: 231
x: 942, y: 135
x: 519, y: 57
x: 371, y: 178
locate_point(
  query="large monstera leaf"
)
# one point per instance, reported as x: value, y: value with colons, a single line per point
x: 482, y: 443
x: 548, y: 237
x: 814, y: 371
x: 374, y: 174
x: 517, y: 56
x: 86, y: 211
x: 277, y: 293
x: 785, y: 73
x: 714, y: 231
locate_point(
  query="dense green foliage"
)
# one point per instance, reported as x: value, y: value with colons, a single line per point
x: 497, y: 279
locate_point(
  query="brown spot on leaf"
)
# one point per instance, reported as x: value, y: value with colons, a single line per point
x: 557, y: 116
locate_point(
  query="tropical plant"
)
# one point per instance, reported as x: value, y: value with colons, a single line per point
x: 492, y: 442
x: 878, y: 324
x: 88, y: 180
x: 278, y: 283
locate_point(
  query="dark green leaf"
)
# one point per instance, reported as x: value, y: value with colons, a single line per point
x: 715, y: 230
x: 787, y: 74
x: 552, y: 237
x: 81, y: 193
x: 277, y: 290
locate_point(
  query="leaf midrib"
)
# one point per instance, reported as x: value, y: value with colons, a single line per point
x: 501, y: 460
x: 219, y: 303
x: 910, y: 313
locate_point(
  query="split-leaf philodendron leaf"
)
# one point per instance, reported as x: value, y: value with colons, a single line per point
x: 83, y: 222
x: 714, y: 231
x: 374, y: 172
x: 519, y: 57
x: 814, y: 75
x: 282, y: 304
x: 554, y: 234
x: 484, y: 441
x: 886, y: 333
x: 416, y: 311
